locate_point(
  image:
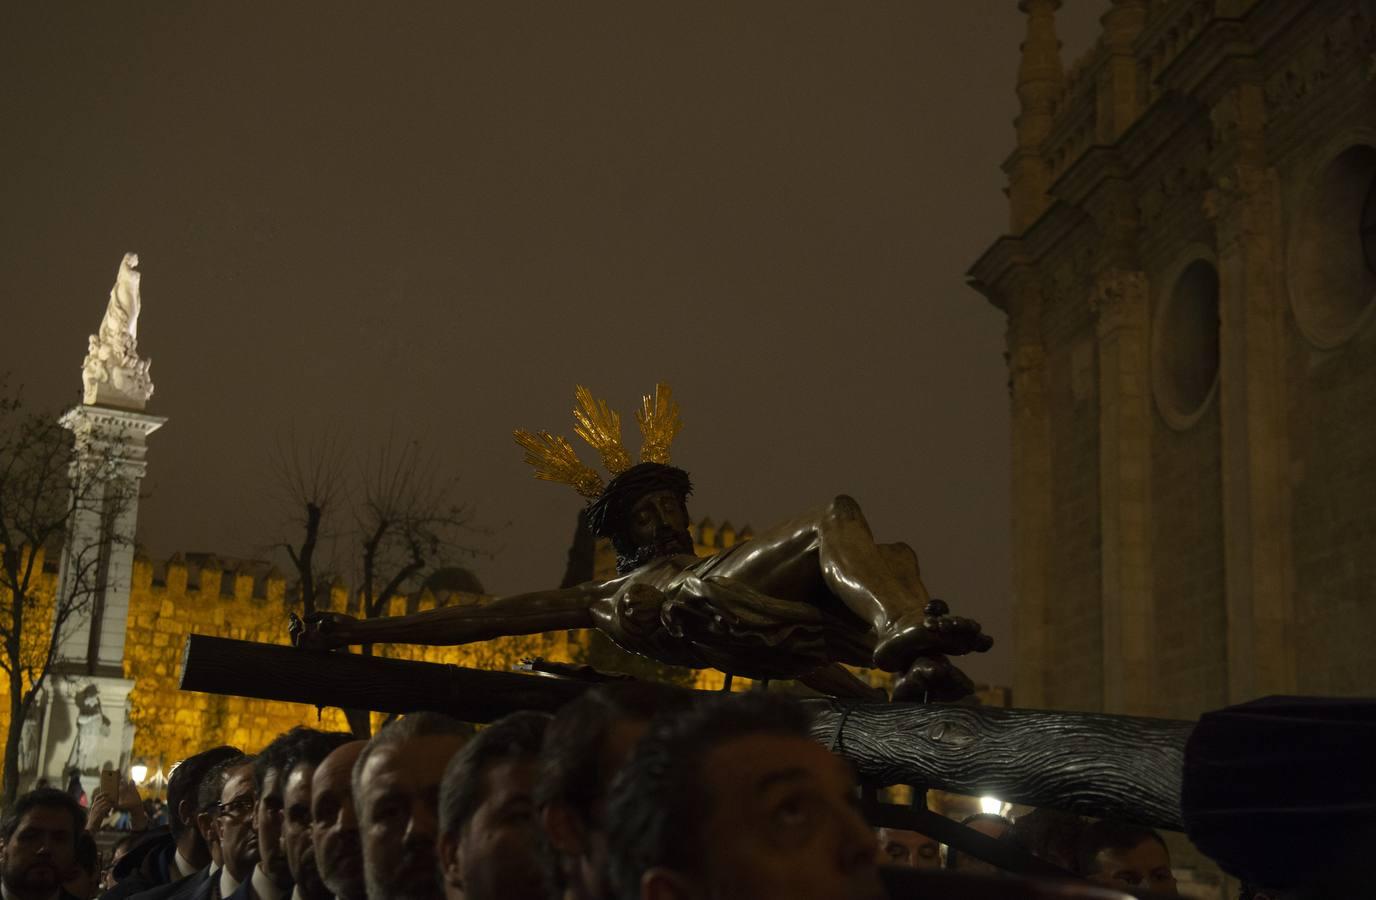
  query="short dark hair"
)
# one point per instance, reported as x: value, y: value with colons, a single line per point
x: 1105, y: 835
x: 213, y: 784
x: 409, y: 727
x: 572, y: 759
x: 185, y: 782
x: 280, y: 752
x: 657, y: 807
x: 49, y: 797
x: 517, y: 736
x: 313, y: 749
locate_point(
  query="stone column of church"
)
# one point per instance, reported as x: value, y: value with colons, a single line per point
x: 1245, y: 209
x: 1119, y: 300
x: 1031, y: 486
x: 1040, y: 82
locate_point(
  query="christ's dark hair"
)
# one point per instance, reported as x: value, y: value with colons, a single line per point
x: 657, y: 805
x: 48, y: 797
x: 607, y: 514
x: 1105, y: 835
x: 513, y: 737
x: 185, y: 783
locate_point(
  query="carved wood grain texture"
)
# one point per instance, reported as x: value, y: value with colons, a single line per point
x: 1115, y: 767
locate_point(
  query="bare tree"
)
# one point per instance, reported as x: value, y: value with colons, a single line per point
x: 408, y: 522
x: 43, y: 491
x: 312, y: 481
x: 390, y: 522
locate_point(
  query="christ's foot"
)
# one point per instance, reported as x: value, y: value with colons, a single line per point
x: 932, y: 679
x: 933, y: 632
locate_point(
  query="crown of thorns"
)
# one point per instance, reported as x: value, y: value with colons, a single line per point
x: 554, y: 458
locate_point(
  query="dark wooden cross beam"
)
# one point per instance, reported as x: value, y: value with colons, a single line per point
x: 1116, y: 767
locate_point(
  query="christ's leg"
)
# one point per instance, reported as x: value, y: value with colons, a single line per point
x: 879, y: 584
x: 882, y: 584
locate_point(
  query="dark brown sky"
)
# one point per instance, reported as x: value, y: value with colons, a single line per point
x: 437, y: 217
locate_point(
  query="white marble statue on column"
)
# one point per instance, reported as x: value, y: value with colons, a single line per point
x: 92, y: 727
x: 113, y: 373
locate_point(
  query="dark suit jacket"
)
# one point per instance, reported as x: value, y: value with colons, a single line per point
x: 244, y: 891
x: 177, y: 890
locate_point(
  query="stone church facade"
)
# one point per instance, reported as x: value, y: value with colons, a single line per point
x: 1188, y: 277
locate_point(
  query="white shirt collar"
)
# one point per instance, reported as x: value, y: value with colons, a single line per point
x: 228, y: 884
x: 296, y: 893
x: 183, y: 865
x: 263, y: 887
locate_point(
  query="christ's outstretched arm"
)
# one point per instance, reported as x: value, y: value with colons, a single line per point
x: 531, y: 613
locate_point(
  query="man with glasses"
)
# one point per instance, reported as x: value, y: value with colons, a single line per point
x: 270, y: 877
x: 234, y: 823
x: 168, y: 859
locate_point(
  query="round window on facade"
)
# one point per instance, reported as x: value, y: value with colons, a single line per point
x: 1185, y: 344
x: 1332, y: 259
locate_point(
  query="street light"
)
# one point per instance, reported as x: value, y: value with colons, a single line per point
x: 138, y: 773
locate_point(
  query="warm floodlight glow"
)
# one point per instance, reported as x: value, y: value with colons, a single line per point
x: 138, y: 773
x: 991, y: 805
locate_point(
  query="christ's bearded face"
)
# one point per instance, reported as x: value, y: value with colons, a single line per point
x: 657, y: 525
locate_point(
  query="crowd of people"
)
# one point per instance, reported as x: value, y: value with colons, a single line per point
x: 631, y: 792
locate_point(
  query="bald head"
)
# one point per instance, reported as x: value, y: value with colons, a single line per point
x: 334, y: 829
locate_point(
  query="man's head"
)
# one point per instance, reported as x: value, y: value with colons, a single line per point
x: 298, y: 772
x: 644, y: 512
x: 118, y: 852
x: 1127, y: 856
x: 908, y: 848
x: 489, y: 833
x: 735, y: 800
x: 334, y: 828
x: 396, y: 783
x: 270, y: 782
x: 584, y: 747
x: 183, y: 788
x: 235, y: 804
x: 38, y: 842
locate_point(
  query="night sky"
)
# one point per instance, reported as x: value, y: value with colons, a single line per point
x: 433, y: 219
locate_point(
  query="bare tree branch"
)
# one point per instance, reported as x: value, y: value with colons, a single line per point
x: 39, y: 504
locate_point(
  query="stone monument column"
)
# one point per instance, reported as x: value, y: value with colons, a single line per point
x: 84, y: 723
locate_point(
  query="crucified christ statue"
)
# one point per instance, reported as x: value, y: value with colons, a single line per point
x: 795, y: 601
